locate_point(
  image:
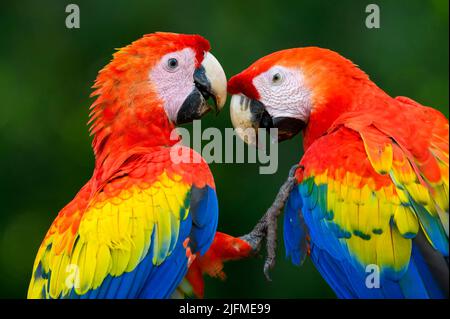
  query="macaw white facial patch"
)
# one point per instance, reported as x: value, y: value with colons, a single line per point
x: 173, y: 79
x: 284, y: 93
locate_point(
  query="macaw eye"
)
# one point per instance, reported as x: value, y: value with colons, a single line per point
x: 172, y: 64
x: 277, y: 78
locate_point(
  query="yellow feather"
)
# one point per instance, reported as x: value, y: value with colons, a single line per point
x: 355, y: 195
x: 441, y: 197
x: 87, y: 263
x: 120, y: 258
x: 37, y: 286
x: 331, y: 196
x: 124, y: 217
x: 352, y: 212
x: 103, y: 265
x: 114, y: 235
x: 363, y: 249
x: 381, y: 159
x: 406, y: 221
x: 419, y: 193
x: 55, y: 289
x: 344, y: 190
x: 137, y: 239
x: 368, y: 207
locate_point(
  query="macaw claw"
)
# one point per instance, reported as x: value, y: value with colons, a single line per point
x: 266, y: 228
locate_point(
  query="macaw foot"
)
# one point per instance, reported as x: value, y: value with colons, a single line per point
x: 267, y: 225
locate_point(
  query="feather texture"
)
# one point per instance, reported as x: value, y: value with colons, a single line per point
x: 119, y: 242
x: 364, y: 203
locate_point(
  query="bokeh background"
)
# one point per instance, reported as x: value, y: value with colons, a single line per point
x: 46, y: 72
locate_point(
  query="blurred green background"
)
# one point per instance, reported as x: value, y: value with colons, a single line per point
x: 46, y: 72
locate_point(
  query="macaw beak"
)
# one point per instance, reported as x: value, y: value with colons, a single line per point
x: 248, y: 115
x: 210, y: 82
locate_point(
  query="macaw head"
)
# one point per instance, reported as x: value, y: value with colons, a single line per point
x: 292, y: 90
x: 156, y: 82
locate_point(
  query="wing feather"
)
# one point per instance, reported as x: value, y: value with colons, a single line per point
x: 121, y: 242
x: 365, y: 200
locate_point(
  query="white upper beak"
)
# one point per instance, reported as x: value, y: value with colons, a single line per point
x: 217, y: 78
x: 241, y: 118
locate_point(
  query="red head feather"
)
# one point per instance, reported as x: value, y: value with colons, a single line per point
x: 334, y: 82
x: 319, y: 65
x: 127, y: 112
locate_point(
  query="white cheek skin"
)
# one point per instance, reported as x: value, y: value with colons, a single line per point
x: 174, y: 87
x: 290, y: 98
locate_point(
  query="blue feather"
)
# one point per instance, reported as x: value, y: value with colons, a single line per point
x: 294, y: 228
x: 343, y: 273
x: 205, y: 212
x: 150, y: 281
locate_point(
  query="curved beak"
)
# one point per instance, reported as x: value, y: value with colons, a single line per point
x: 210, y: 82
x: 248, y: 116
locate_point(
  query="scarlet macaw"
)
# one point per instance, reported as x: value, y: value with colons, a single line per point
x: 134, y: 228
x: 371, y: 192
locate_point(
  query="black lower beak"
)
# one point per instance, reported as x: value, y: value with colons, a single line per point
x: 202, y: 83
x: 287, y: 127
x: 195, y: 105
x: 193, y: 108
x: 260, y: 117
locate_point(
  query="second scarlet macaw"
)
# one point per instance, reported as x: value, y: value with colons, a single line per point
x: 371, y: 193
x: 134, y: 229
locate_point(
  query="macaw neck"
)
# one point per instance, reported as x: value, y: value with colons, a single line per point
x: 359, y: 96
x: 131, y: 133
